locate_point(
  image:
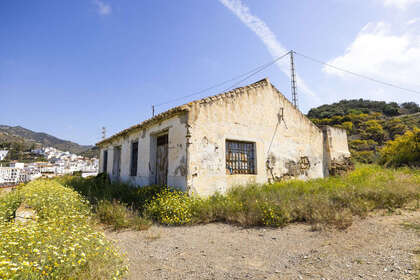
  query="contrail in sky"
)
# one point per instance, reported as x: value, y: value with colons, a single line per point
x: 269, y: 39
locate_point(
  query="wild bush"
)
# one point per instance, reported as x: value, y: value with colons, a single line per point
x: 119, y: 216
x: 171, y: 207
x: 364, y: 156
x: 8, y: 205
x: 404, y: 150
x: 61, y: 243
x: 100, y: 188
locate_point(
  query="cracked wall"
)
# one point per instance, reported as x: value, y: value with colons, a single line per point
x: 288, y: 145
x: 337, y: 159
x: 176, y: 129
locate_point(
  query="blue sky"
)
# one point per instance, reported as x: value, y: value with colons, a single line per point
x: 70, y: 67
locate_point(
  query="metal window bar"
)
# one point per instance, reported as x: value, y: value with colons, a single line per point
x: 240, y: 157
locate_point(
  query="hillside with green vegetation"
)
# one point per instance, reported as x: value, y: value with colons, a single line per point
x: 19, y: 150
x: 369, y: 124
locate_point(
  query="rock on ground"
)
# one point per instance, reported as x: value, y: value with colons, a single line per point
x: 377, y: 247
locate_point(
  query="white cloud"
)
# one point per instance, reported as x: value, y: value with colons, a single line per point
x: 269, y: 39
x: 413, y: 21
x: 103, y: 8
x: 400, y: 4
x: 383, y: 52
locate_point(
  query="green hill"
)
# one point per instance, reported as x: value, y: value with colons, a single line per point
x: 20, y: 141
x: 369, y: 124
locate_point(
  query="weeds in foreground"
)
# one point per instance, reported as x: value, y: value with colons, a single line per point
x: 119, y: 216
x: 331, y: 201
x: 61, y: 243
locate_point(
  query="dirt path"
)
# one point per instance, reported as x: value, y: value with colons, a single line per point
x: 374, y: 248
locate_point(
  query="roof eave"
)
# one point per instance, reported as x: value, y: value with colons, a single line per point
x: 158, y: 118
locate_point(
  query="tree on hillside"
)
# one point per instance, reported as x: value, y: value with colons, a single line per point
x: 359, y: 106
x: 391, y: 109
x: 411, y: 107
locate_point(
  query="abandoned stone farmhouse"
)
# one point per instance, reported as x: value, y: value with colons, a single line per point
x: 251, y: 134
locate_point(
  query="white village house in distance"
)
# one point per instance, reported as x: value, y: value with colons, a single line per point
x: 3, y: 154
x: 251, y: 134
x: 59, y: 163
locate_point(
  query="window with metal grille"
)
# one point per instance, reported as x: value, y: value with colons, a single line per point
x: 134, y: 157
x: 240, y: 157
x: 105, y: 161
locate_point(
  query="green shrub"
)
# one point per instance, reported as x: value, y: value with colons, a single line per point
x: 61, y: 243
x: 8, y: 205
x: 119, y: 216
x: 273, y: 215
x: 171, y: 207
x: 364, y: 156
x: 372, y: 129
x: 404, y: 150
x: 100, y: 188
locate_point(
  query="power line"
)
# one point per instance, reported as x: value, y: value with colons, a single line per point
x: 356, y: 74
x: 251, y: 73
x: 256, y: 72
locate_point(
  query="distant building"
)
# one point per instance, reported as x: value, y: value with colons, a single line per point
x: 19, y: 165
x: 3, y: 154
x: 12, y: 176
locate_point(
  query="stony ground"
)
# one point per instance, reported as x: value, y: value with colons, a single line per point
x: 377, y: 247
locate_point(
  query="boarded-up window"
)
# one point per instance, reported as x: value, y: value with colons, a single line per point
x: 105, y: 162
x: 134, y: 157
x: 240, y: 157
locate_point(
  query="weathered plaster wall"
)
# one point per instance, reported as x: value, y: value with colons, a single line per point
x: 337, y: 142
x: 288, y: 145
x: 176, y: 129
x: 336, y: 151
x: 258, y: 113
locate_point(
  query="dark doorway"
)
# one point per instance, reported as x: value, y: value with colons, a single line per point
x: 116, y: 167
x: 105, y: 163
x: 162, y: 160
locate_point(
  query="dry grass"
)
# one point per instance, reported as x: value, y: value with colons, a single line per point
x: 152, y: 236
x: 118, y: 216
x: 332, y: 201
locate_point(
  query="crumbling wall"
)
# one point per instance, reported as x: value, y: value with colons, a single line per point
x: 337, y: 159
x: 176, y: 128
x: 287, y: 144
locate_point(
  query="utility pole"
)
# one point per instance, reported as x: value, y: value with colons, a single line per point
x: 293, y: 80
x: 153, y: 110
x: 103, y: 132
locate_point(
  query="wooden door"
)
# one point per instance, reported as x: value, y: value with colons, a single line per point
x: 162, y: 160
x: 116, y: 167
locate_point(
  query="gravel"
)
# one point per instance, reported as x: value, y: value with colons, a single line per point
x: 377, y: 247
